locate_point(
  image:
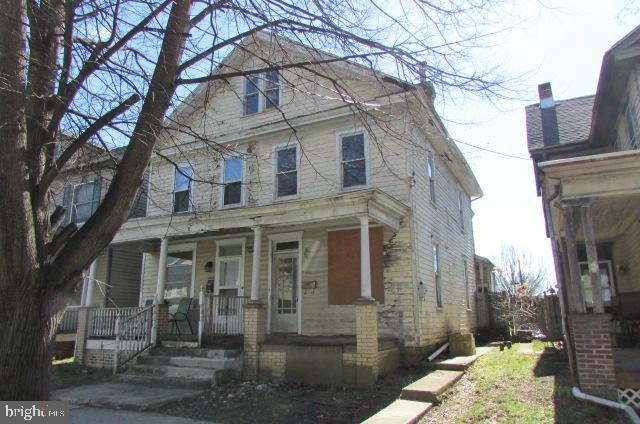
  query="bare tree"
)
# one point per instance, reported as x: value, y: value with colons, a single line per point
x: 519, y: 282
x: 108, y: 73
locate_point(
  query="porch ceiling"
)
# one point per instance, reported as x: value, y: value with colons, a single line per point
x: 378, y: 205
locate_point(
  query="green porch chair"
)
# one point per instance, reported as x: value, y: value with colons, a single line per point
x: 182, y: 314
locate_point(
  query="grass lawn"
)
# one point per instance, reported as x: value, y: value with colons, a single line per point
x: 513, y: 387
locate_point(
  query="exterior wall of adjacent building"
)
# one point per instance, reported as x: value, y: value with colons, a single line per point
x: 632, y: 102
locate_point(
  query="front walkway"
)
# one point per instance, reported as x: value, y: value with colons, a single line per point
x: 88, y: 415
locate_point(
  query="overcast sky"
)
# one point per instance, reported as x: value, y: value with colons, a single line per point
x: 563, y: 46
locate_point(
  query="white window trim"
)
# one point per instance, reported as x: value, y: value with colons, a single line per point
x: 436, y: 255
x: 74, y: 209
x: 173, y: 191
x: 276, y: 238
x: 262, y: 98
x: 274, y: 154
x: 186, y: 247
x: 230, y: 242
x: 431, y: 163
x: 346, y: 133
x: 221, y: 204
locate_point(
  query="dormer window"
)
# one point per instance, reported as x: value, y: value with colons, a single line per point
x: 261, y: 92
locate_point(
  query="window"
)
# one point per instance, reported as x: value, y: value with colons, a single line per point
x: 287, y: 171
x: 605, y: 282
x: 465, y: 275
x: 631, y: 117
x: 229, y: 266
x: 352, y: 162
x: 182, y: 189
x: 261, y: 92
x: 436, y: 274
x: 179, y: 271
x: 232, y: 189
x: 431, y: 174
x: 461, y: 208
x: 82, y: 206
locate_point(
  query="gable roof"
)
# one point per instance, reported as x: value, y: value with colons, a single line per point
x: 574, y: 121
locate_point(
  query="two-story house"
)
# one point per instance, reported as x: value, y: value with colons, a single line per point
x: 587, y: 167
x: 322, y: 213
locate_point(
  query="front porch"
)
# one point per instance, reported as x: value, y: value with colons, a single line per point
x: 596, y: 230
x: 264, y: 276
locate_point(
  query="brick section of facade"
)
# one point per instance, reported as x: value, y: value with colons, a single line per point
x: 272, y: 364
x: 594, y: 355
x: 99, y: 358
x: 366, y: 341
x: 82, y: 333
x: 254, y: 331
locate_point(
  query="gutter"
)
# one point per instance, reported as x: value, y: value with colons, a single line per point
x: 578, y: 394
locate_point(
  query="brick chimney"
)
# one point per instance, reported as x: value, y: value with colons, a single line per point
x: 548, y: 115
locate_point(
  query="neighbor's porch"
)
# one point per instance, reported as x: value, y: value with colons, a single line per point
x: 596, y: 230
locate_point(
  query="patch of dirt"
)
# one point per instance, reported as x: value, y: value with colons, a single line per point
x: 70, y: 374
x: 250, y: 402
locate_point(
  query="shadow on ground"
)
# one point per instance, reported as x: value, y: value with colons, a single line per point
x: 569, y: 410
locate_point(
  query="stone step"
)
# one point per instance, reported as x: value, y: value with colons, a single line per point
x: 190, y: 361
x: 430, y: 387
x: 179, y: 343
x: 461, y: 363
x: 401, y: 411
x: 198, y: 352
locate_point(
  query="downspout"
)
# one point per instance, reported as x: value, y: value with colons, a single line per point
x: 633, y: 416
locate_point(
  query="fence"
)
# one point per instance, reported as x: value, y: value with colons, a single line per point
x: 133, y: 336
x: 222, y: 315
x: 103, y: 320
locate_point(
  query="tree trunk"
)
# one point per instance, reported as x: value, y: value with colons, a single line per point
x: 27, y: 342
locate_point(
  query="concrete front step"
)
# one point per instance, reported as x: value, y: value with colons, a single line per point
x: 461, y: 363
x: 151, y: 380
x: 179, y: 343
x: 430, y: 387
x: 215, y: 363
x: 197, y: 352
x: 401, y: 411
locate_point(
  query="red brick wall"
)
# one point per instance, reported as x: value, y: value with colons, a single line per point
x: 594, y: 356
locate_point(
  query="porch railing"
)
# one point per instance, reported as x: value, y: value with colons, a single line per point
x: 133, y: 336
x: 103, y: 320
x: 69, y: 322
x: 221, y: 315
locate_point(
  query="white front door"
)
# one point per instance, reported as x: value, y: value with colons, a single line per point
x: 284, y: 289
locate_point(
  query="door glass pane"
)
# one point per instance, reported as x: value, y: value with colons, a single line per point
x: 229, y: 272
x: 286, y: 272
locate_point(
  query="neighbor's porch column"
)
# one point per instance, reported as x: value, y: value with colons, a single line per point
x: 255, y: 267
x: 365, y: 261
x: 162, y: 271
x: 90, y: 282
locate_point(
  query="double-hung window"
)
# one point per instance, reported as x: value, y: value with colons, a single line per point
x: 261, y: 92
x: 179, y: 274
x: 631, y: 117
x: 182, y: 189
x: 82, y: 206
x: 232, y: 189
x: 353, y: 163
x: 436, y: 275
x: 286, y: 171
x: 431, y: 174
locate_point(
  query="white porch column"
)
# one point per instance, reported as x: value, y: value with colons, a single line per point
x: 162, y: 271
x: 365, y: 262
x: 255, y: 266
x: 90, y: 282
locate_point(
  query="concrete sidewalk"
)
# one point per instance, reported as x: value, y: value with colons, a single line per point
x: 89, y: 415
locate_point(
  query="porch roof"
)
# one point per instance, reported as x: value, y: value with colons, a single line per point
x: 378, y: 205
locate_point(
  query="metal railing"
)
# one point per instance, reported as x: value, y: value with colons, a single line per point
x: 103, y: 320
x: 69, y: 322
x: 133, y: 336
x: 221, y: 315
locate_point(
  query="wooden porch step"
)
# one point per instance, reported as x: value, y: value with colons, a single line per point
x: 401, y: 411
x: 430, y: 387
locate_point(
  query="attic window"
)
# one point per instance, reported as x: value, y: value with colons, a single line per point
x: 261, y: 92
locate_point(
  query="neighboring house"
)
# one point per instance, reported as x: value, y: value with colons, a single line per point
x: 485, y: 285
x: 352, y: 235
x: 587, y: 167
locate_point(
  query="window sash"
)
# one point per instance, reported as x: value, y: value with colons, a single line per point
x: 182, y: 193
x: 431, y: 176
x: 232, y: 178
x: 353, y: 162
x: 179, y: 274
x: 81, y: 207
x: 436, y: 272
x: 287, y: 172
